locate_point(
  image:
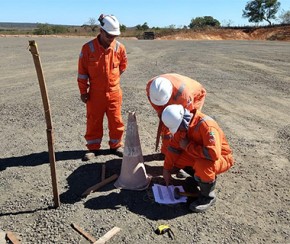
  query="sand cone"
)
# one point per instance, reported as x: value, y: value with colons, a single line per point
x: 133, y: 173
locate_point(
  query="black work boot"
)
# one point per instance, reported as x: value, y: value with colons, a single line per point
x: 191, y: 185
x: 206, y: 199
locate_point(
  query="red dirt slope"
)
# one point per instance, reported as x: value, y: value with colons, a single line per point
x: 281, y: 33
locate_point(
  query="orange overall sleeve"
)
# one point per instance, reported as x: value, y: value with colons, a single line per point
x: 123, y: 59
x: 83, y: 74
x: 211, y: 148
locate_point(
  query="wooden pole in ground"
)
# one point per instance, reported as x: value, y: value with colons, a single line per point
x: 158, y: 135
x: 49, y: 131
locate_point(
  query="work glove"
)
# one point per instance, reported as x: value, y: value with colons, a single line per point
x: 85, y: 97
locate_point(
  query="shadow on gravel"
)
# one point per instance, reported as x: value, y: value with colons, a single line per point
x: 35, y: 159
x: 138, y: 202
x: 88, y: 175
x: 26, y: 212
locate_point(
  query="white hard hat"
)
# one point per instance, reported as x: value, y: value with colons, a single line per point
x: 172, y: 117
x: 160, y: 91
x: 110, y: 24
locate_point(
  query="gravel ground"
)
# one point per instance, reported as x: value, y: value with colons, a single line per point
x: 248, y: 89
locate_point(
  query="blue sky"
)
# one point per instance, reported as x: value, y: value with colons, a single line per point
x: 157, y: 13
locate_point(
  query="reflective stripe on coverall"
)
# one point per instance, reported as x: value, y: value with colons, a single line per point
x: 186, y: 92
x: 208, y: 151
x: 99, y: 72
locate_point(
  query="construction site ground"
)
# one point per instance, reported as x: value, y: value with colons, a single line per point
x: 248, y: 94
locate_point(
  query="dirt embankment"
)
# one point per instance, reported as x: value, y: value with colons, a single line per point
x: 281, y: 33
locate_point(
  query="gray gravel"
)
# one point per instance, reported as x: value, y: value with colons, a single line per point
x: 248, y: 89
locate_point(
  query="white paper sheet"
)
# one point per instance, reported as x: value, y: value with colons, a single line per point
x: 165, y: 195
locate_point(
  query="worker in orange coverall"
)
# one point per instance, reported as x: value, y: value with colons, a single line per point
x: 101, y: 62
x: 199, y: 143
x: 172, y: 88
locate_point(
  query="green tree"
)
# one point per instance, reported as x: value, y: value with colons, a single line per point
x: 46, y: 29
x: 202, y: 22
x: 145, y: 26
x: 123, y: 28
x: 58, y: 29
x: 92, y: 24
x: 142, y: 27
x: 259, y: 10
x: 285, y: 17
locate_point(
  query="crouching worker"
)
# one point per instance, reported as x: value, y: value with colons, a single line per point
x: 200, y: 143
x: 172, y: 88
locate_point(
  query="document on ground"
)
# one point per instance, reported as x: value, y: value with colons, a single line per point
x: 165, y: 195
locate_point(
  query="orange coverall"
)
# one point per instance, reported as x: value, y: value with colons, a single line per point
x: 99, y: 73
x: 208, y: 151
x: 186, y: 92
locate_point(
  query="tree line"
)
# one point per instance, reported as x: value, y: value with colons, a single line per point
x: 255, y: 11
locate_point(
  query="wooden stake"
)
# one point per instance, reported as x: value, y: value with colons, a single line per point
x: 158, y: 135
x: 11, y: 237
x: 49, y: 130
x: 99, y: 185
x: 103, y: 174
x: 84, y: 233
x: 108, y: 235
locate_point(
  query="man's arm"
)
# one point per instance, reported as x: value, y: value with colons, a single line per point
x: 123, y: 60
x: 211, y: 148
x: 83, y: 76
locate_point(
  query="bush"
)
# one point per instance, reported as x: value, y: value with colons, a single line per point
x: 46, y: 29
x: 203, y: 22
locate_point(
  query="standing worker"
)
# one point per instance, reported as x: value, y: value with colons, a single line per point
x: 198, y: 142
x: 101, y: 63
x: 172, y: 88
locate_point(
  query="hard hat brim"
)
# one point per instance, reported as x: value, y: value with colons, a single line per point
x: 172, y: 117
x: 173, y: 130
x: 113, y: 32
x: 158, y: 102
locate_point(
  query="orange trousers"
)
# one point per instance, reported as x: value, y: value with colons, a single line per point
x: 99, y: 104
x: 204, y: 169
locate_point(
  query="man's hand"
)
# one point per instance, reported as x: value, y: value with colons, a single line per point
x: 85, y: 97
x: 167, y: 176
x: 183, y: 143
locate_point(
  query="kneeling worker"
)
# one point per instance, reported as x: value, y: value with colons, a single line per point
x: 200, y: 143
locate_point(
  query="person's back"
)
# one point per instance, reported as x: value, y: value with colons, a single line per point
x: 185, y: 91
x: 191, y: 87
x: 178, y: 89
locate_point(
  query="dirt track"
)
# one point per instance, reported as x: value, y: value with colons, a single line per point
x: 248, y: 85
